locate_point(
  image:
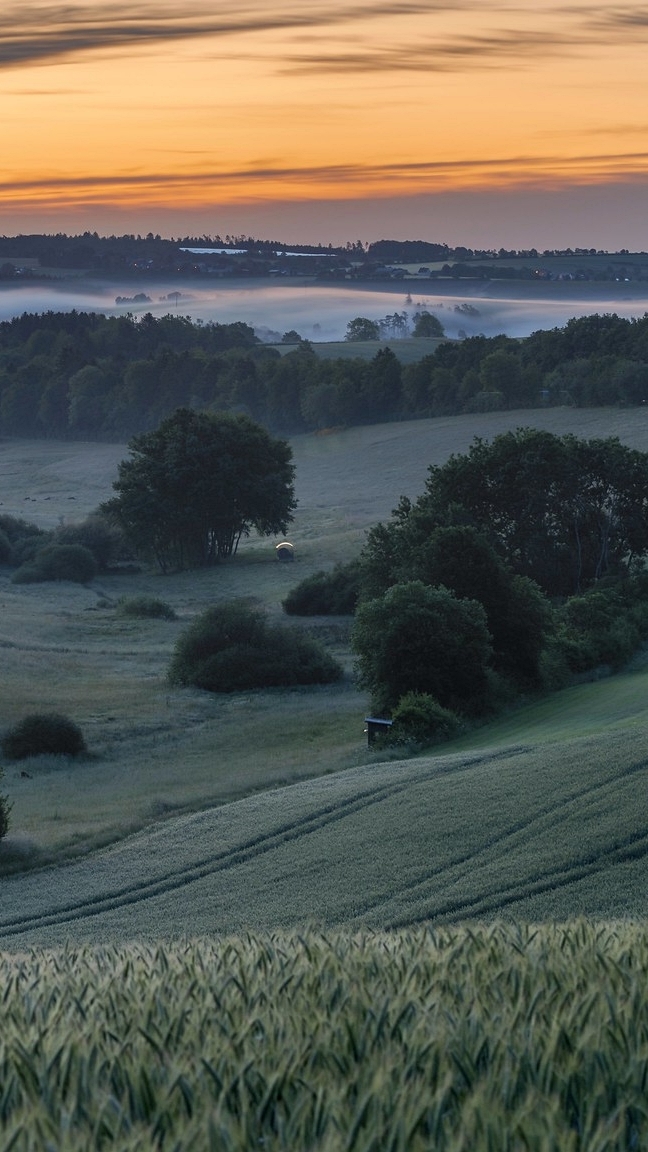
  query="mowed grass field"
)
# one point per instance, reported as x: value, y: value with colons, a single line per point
x: 202, y: 814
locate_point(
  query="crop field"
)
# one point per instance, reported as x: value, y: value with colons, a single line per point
x: 454, y: 1039
x: 534, y: 831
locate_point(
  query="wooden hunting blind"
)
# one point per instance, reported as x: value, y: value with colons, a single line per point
x: 376, y: 727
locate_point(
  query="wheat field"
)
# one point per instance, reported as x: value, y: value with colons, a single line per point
x: 492, y: 1039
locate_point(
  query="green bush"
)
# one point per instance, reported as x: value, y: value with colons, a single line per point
x: 17, y: 529
x: 27, y: 548
x: 98, y: 535
x: 43, y: 733
x: 333, y: 593
x: 419, y: 719
x: 145, y: 608
x: 421, y: 639
x: 5, y: 809
x: 6, y: 551
x: 58, y: 562
x: 24, y: 540
x: 233, y: 647
x: 603, y: 627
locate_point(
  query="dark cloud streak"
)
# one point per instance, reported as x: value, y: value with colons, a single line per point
x: 41, y: 33
x: 439, y: 55
x: 509, y: 170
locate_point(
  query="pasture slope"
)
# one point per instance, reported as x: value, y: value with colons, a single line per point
x: 542, y: 815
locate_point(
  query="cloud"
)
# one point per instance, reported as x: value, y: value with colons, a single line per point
x: 563, y: 31
x: 34, y: 33
x: 337, y: 181
x: 439, y: 55
x: 617, y: 17
x: 504, y: 31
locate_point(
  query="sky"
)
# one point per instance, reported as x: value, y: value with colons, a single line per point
x: 510, y: 124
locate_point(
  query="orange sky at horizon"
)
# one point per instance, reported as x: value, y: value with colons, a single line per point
x: 145, y: 114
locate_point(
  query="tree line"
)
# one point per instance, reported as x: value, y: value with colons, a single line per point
x: 88, y: 376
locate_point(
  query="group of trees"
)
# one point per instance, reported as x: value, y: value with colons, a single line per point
x: 184, y: 498
x: 560, y: 510
x: 89, y: 376
x: 519, y: 566
x: 394, y: 327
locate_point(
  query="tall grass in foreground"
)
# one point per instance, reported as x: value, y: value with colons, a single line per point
x: 498, y: 1039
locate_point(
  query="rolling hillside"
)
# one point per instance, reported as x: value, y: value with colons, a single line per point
x: 540, y: 829
x: 266, y: 810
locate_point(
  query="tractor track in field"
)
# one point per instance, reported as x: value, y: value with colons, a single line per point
x: 220, y: 862
x: 453, y: 870
x: 633, y: 847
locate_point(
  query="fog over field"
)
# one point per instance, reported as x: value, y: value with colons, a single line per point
x: 322, y: 312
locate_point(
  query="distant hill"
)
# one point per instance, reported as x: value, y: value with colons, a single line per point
x: 39, y: 256
x: 406, y: 251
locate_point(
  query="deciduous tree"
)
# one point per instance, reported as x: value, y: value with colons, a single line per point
x: 362, y: 329
x: 198, y: 483
x: 421, y: 639
x: 426, y: 324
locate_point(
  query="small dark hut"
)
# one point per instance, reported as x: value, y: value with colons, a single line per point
x: 376, y: 727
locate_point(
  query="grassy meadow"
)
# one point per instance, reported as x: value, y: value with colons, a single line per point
x: 408, y: 350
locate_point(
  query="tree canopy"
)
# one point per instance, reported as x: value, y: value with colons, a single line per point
x: 362, y: 328
x: 498, y: 531
x: 423, y: 639
x: 561, y: 510
x: 425, y: 324
x: 463, y: 559
x: 198, y: 483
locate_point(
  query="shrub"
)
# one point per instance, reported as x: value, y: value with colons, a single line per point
x: 5, y: 809
x: 602, y: 627
x: 233, y: 647
x: 43, y: 733
x: 98, y: 535
x: 17, y: 529
x: 419, y: 719
x: 6, y: 551
x: 145, y: 607
x: 333, y: 593
x: 24, y: 539
x: 421, y: 639
x: 58, y: 562
x: 26, y: 548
